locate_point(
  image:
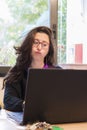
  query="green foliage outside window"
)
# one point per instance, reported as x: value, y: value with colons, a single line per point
x: 23, y: 14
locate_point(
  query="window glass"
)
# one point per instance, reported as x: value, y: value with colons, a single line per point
x: 17, y: 17
x: 72, y: 31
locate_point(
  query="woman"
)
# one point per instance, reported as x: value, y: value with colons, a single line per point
x: 36, y: 51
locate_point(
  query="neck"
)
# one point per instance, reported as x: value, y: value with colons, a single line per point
x: 37, y: 64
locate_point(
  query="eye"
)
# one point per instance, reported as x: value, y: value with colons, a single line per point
x: 44, y: 44
x: 36, y: 42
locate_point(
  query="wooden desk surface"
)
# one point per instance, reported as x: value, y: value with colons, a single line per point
x: 6, y: 124
x: 74, y: 126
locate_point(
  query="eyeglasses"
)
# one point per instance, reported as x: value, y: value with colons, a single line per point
x: 44, y: 44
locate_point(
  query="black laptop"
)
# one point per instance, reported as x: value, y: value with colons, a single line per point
x: 56, y: 96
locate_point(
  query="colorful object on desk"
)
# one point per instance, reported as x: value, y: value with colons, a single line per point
x: 56, y: 128
x: 42, y: 126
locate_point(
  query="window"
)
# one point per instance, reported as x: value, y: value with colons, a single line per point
x: 72, y: 39
x: 67, y: 20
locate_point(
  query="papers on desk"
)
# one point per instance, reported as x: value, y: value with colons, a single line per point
x: 3, y: 114
x: 17, y: 117
x: 9, y: 121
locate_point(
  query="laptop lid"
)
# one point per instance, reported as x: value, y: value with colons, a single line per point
x: 56, y: 96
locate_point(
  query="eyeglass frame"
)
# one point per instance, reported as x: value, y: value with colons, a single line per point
x: 44, y: 44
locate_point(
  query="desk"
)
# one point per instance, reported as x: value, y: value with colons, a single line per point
x: 6, y: 124
x: 74, y: 126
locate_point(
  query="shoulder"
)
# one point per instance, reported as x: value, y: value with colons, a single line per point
x: 58, y: 67
x: 55, y: 66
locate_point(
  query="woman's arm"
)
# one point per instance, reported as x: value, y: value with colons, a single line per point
x: 13, y: 97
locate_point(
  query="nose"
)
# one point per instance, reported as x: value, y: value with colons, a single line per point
x: 39, y: 46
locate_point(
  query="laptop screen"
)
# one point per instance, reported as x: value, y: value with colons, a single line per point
x: 56, y: 96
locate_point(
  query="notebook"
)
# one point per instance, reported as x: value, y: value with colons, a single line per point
x: 56, y: 96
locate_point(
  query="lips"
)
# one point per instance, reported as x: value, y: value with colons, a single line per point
x: 37, y: 52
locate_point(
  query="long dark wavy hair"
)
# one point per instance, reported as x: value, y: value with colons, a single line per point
x: 24, y: 58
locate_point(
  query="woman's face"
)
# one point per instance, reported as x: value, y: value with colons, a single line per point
x: 40, y: 46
